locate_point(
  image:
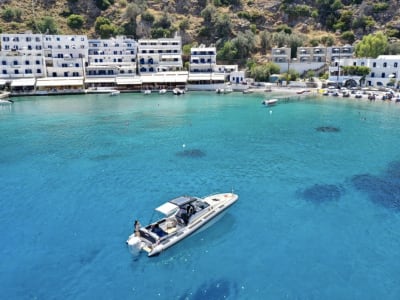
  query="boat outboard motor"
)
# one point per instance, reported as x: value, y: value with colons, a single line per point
x: 134, y: 244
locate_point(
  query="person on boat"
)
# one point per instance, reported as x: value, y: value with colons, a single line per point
x: 183, y: 215
x: 137, y: 228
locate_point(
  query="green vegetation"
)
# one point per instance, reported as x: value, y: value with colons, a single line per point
x: 104, y: 4
x: 47, y: 25
x: 75, y: 21
x: 9, y: 14
x: 264, y: 71
x: 372, y: 45
x: 355, y: 70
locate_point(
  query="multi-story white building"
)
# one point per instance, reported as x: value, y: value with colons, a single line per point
x: 309, y: 58
x: 159, y: 55
x: 384, y: 70
x: 203, y: 59
x: 112, y: 57
x: 65, y: 55
x: 21, y: 56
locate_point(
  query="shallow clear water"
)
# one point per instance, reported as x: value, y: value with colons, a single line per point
x: 317, y: 218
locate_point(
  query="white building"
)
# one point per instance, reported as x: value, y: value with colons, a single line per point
x: 203, y: 59
x: 309, y: 58
x: 384, y: 70
x: 65, y: 55
x: 159, y: 55
x: 21, y: 56
x: 112, y: 57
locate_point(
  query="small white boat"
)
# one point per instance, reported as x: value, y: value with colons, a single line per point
x: 147, y: 92
x: 183, y: 216
x: 115, y: 93
x: 270, y: 102
x: 5, y: 101
x: 178, y: 91
x: 225, y: 90
x: 163, y: 91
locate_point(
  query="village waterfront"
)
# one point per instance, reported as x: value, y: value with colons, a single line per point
x: 318, y: 181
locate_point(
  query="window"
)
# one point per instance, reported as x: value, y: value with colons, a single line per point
x: 15, y: 62
x: 38, y: 71
x: 372, y: 74
x: 29, y: 47
x: 395, y: 64
x: 6, y: 39
x: 65, y: 74
x: 27, y: 62
x: 77, y: 65
x: 374, y: 65
x: 383, y: 75
x: 3, y: 62
x: 66, y: 46
x: 28, y: 71
x: 384, y: 65
x: 28, y: 39
x: 4, y: 71
x: 38, y: 47
x: 37, y: 39
x: 16, y: 71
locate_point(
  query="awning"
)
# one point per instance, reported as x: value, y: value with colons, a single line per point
x: 164, y: 78
x: 3, y: 82
x: 23, y: 82
x: 128, y: 80
x: 206, y: 76
x: 100, y: 80
x: 167, y: 208
x: 59, y: 81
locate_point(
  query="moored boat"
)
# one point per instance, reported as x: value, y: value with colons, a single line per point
x: 183, y: 216
x: 270, y: 102
x: 115, y: 93
x: 178, y: 91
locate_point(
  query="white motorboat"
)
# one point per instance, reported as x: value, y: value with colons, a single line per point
x: 5, y: 101
x: 183, y: 216
x: 178, y: 91
x: 147, y: 92
x: 115, y: 93
x: 225, y: 90
x: 270, y: 102
x: 163, y: 91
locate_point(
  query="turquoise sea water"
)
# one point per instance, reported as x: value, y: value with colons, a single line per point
x: 318, y: 215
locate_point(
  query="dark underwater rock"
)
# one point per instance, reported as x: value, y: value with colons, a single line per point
x: 214, y: 290
x: 320, y: 193
x: 327, y: 129
x: 383, y: 190
x: 194, y: 153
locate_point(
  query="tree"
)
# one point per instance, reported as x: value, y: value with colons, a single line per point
x: 99, y: 22
x: 7, y: 14
x: 372, y: 45
x: 265, y: 41
x: 228, y: 52
x: 263, y: 72
x: 47, y: 25
x: 75, y: 21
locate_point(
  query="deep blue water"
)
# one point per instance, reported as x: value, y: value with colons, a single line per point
x: 318, y: 215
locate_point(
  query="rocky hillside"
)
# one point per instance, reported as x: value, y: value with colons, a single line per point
x: 338, y: 21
